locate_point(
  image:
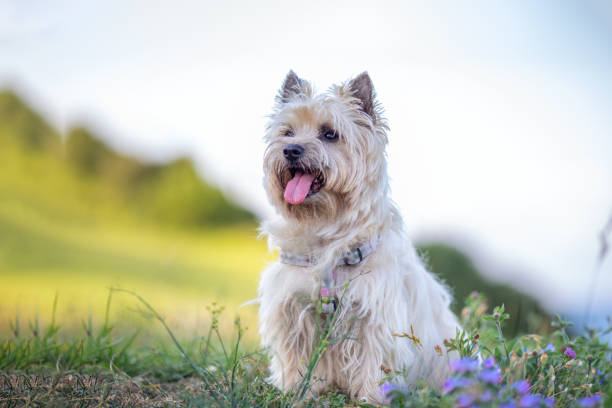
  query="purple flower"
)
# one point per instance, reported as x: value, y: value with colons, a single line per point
x: 592, y: 401
x: 386, y: 388
x: 492, y: 376
x: 549, y: 347
x: 570, y: 352
x: 522, y: 387
x: 486, y: 396
x: 509, y: 404
x: 603, y: 377
x: 465, y: 400
x: 452, y: 383
x: 463, y: 365
x: 529, y: 400
x: 489, y: 363
x: 549, y: 402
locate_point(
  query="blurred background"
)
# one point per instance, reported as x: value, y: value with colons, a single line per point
x: 131, y: 147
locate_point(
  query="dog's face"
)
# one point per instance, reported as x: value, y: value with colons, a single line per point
x: 324, y: 153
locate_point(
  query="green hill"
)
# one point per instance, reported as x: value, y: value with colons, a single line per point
x: 170, y: 193
x: 457, y: 270
x: 21, y: 126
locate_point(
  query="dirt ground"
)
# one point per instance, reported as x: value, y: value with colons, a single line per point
x: 83, y: 390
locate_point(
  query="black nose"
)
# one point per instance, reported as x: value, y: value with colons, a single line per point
x: 293, y: 152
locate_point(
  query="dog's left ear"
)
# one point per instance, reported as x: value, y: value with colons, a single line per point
x: 361, y: 87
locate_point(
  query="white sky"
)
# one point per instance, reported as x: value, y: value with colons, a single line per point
x: 500, y: 112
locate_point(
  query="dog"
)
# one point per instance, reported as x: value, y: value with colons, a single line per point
x: 343, y: 251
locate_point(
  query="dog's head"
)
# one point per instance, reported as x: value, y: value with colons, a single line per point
x: 325, y: 153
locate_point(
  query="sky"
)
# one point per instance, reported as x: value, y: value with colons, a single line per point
x: 500, y: 112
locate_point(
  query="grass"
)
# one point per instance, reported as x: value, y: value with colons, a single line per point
x: 99, y: 367
x: 180, y: 270
x: 102, y: 367
x: 75, y: 235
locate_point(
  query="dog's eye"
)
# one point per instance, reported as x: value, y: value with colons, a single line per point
x: 330, y: 135
x: 288, y: 133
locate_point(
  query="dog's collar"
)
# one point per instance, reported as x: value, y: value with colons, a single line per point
x: 328, y: 295
x: 353, y: 257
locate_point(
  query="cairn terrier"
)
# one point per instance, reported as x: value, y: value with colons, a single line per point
x: 344, y: 255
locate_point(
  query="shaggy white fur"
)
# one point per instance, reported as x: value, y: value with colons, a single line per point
x: 343, y: 136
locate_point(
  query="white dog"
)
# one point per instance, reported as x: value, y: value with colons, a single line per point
x: 343, y: 250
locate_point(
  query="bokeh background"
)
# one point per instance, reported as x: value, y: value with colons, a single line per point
x: 131, y: 147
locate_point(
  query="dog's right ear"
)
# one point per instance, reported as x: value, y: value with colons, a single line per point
x: 293, y: 86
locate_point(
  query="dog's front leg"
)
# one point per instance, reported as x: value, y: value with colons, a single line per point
x: 288, y: 330
x: 364, y: 379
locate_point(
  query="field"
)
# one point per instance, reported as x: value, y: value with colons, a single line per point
x: 121, y: 285
x: 177, y: 270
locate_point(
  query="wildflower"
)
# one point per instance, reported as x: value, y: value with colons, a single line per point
x: 486, y: 396
x: 603, y: 377
x: 491, y: 376
x: 465, y: 400
x: 549, y: 347
x: 452, y: 383
x: 592, y: 401
x: 385, y: 389
x: 529, y: 400
x: 489, y: 363
x: 522, y: 387
x: 463, y: 365
x: 549, y: 402
x: 508, y: 404
x: 570, y: 352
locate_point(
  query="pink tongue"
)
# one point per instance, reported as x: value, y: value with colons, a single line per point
x: 297, y: 189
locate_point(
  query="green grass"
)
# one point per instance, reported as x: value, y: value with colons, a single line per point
x: 180, y: 271
x: 59, y: 236
x: 100, y: 367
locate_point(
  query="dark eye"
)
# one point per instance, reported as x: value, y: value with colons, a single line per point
x: 329, y: 134
x: 288, y: 133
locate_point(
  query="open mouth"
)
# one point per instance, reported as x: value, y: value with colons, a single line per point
x: 300, y: 183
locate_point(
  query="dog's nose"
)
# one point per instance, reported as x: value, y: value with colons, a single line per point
x: 293, y: 152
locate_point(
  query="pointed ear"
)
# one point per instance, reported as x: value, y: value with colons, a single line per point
x: 361, y: 87
x: 292, y: 86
